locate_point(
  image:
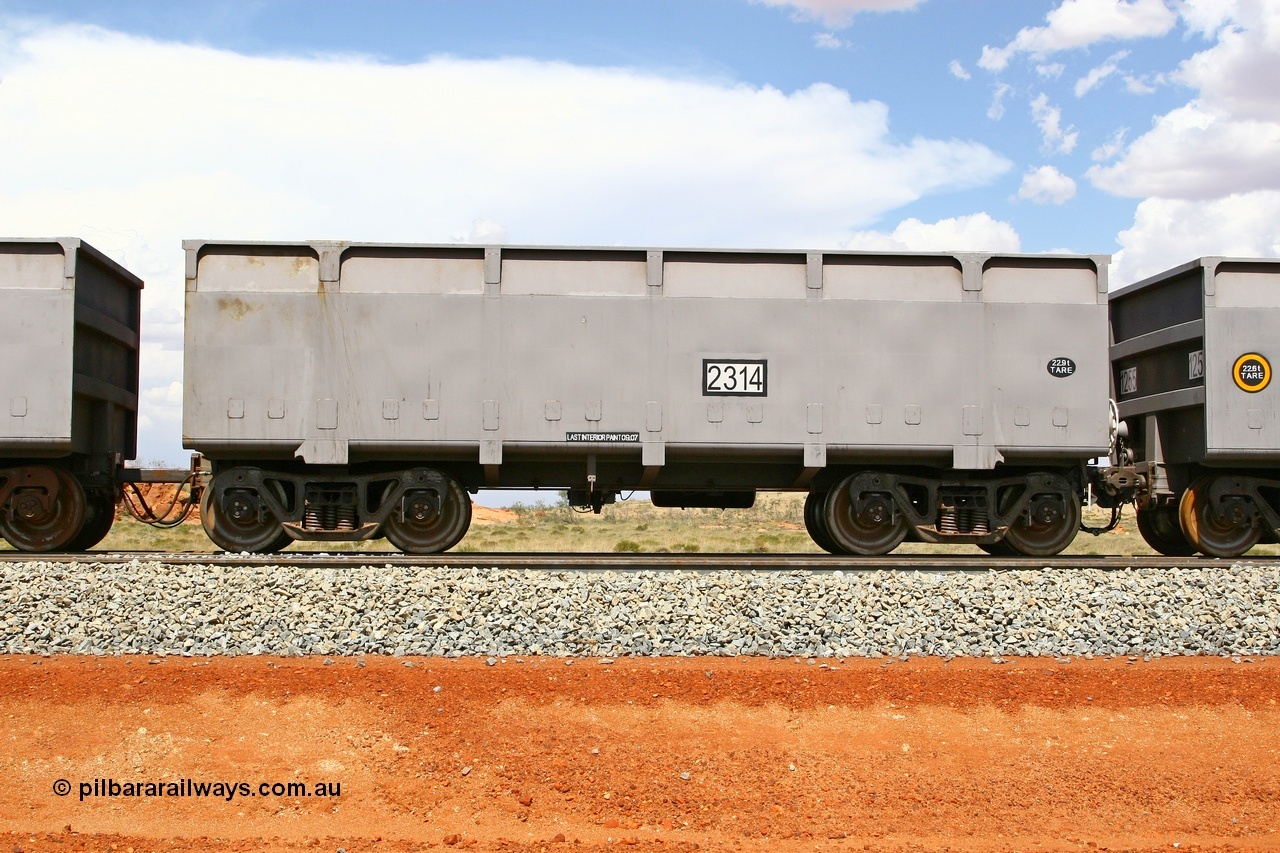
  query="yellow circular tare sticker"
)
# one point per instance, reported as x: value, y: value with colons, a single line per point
x: 1252, y: 372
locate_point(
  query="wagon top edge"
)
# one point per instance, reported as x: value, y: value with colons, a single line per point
x: 1206, y: 267
x: 199, y: 246
x: 72, y: 249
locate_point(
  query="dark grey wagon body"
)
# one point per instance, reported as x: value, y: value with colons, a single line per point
x: 1192, y: 353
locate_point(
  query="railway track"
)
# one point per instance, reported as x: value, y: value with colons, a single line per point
x: 645, y: 562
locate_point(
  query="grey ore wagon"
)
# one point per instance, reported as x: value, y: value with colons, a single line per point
x: 1192, y: 351
x: 354, y: 390
x: 69, y: 321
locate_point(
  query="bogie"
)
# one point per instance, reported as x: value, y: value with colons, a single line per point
x: 1036, y: 513
x: 419, y: 510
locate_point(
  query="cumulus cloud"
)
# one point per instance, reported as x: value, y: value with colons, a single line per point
x: 137, y: 144
x: 839, y: 13
x: 1046, y: 185
x: 1207, y: 17
x: 1195, y: 153
x: 1048, y: 118
x: 1096, y: 75
x: 828, y: 41
x: 1237, y: 76
x: 1167, y: 232
x: 1209, y: 171
x: 1080, y: 23
x: 1227, y: 139
x: 977, y: 232
x: 958, y: 71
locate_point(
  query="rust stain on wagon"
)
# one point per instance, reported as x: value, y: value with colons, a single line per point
x: 235, y: 307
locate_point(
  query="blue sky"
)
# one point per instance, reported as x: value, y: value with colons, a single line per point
x: 1148, y: 129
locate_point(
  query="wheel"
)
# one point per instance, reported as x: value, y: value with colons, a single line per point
x: 1049, y: 527
x: 869, y: 529
x: 100, y: 514
x: 424, y: 529
x: 284, y: 540
x: 29, y: 527
x: 998, y: 549
x: 1160, y: 528
x: 814, y: 523
x: 242, y: 529
x: 1211, y: 533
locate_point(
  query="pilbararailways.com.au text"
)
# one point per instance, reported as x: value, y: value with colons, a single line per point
x: 111, y: 788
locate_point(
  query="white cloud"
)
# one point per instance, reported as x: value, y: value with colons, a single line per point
x: 995, y: 111
x: 994, y: 59
x: 1193, y: 153
x: 1237, y: 76
x: 1227, y: 140
x: 840, y: 13
x: 1166, y: 232
x: 1207, y: 17
x: 164, y: 402
x: 1051, y: 70
x: 1112, y: 147
x: 1049, y: 120
x: 1138, y: 85
x: 1080, y: 23
x: 977, y: 232
x: 958, y: 71
x: 1209, y: 171
x: 828, y: 41
x: 137, y: 144
x: 1046, y: 185
x: 1096, y: 75
x: 484, y: 231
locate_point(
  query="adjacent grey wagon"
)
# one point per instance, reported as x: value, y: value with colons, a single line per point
x: 351, y: 390
x: 69, y: 322
x: 1193, y: 350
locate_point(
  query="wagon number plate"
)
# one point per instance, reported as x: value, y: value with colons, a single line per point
x: 735, y: 377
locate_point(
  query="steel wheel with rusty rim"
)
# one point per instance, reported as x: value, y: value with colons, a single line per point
x: 869, y: 527
x: 100, y: 514
x: 1049, y: 524
x: 998, y: 549
x: 424, y: 528
x: 1215, y: 534
x: 241, y: 527
x: 814, y: 504
x: 1161, y: 530
x: 30, y: 526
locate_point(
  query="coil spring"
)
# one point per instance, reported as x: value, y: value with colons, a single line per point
x: 329, y: 517
x: 948, y: 521
x: 973, y: 520
x: 962, y: 520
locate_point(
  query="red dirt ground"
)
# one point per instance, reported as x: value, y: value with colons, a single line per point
x: 537, y: 754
